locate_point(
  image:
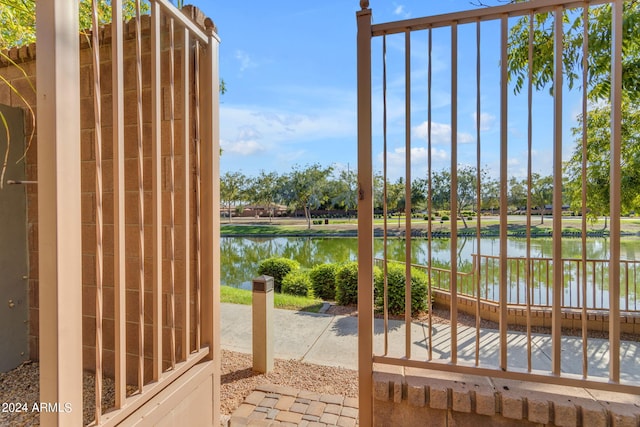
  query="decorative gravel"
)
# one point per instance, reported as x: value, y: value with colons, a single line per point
x: 21, y: 385
x: 238, y: 379
x: 20, y: 391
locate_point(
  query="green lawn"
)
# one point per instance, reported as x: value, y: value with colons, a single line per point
x: 275, y: 230
x: 289, y: 302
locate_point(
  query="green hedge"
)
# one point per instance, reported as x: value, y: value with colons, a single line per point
x: 396, y: 289
x: 277, y: 268
x: 347, y: 284
x: 323, y: 281
x: 297, y: 282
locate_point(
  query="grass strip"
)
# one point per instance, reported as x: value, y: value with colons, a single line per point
x: 289, y: 302
x: 275, y: 230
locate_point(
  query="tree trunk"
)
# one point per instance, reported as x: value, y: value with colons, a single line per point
x: 541, y: 216
x: 307, y: 215
x: 605, y: 223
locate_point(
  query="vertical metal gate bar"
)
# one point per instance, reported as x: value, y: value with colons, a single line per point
x: 583, y: 178
x: 186, y: 128
x: 476, y: 264
x: 626, y: 284
x: 198, y: 193
x: 210, y: 292
x: 140, y: 155
x: 529, y: 184
x: 454, y: 193
x: 556, y: 316
x: 503, y: 193
x: 615, y: 180
x: 119, y: 285
x: 156, y: 189
x: 635, y: 287
x: 97, y: 111
x: 385, y: 207
x: 172, y: 196
x: 429, y: 199
x: 407, y: 193
x: 365, y: 219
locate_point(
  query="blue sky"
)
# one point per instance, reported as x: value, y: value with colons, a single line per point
x: 290, y: 71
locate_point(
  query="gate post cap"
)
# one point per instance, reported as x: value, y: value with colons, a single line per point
x: 262, y: 284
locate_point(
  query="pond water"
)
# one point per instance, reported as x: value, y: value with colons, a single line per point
x: 242, y: 255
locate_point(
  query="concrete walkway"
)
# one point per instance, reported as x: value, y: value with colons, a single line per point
x: 332, y: 340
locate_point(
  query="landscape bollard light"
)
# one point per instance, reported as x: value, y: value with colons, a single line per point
x: 262, y: 312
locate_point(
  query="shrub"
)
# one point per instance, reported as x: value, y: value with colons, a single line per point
x: 323, y: 281
x: 277, y: 268
x: 297, y: 282
x: 347, y: 284
x: 396, y: 288
x: 444, y: 218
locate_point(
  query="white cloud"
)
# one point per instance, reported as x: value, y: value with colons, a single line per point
x: 243, y: 148
x: 440, y: 133
x: 396, y: 161
x: 486, y: 120
x: 245, y: 60
x: 250, y: 130
x: 399, y: 10
x: 246, y: 142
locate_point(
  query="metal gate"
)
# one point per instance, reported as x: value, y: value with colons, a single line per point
x: 129, y: 223
x: 14, y: 312
x: 414, y: 38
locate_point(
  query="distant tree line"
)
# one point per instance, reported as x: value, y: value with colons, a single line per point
x: 315, y: 188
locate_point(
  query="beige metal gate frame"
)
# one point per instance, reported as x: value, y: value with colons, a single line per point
x: 366, y: 358
x: 59, y: 218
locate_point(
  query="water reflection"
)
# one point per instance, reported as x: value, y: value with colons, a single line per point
x: 242, y: 255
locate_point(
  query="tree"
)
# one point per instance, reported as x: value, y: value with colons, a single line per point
x: 345, y: 191
x: 598, y: 162
x: 490, y: 194
x: 599, y: 44
x: 264, y: 190
x: 467, y: 183
x: 441, y: 189
x: 419, y: 193
x: 18, y: 18
x: 598, y: 92
x: 517, y: 192
x: 305, y: 188
x: 395, y: 197
x: 232, y: 188
x: 541, y: 192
